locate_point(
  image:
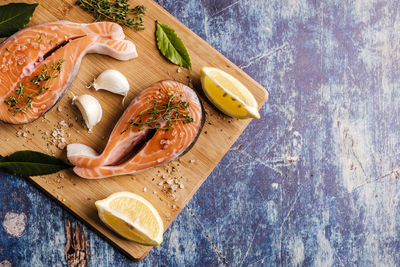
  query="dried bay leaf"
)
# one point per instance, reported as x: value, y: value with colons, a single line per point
x: 171, y: 46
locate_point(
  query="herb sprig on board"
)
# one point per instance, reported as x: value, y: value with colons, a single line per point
x: 171, y: 111
x: 117, y: 11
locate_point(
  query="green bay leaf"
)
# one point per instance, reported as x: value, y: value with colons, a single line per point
x: 171, y: 46
x: 32, y: 163
x: 14, y: 17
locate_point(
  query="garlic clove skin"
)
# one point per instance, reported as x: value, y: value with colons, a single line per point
x: 112, y: 81
x: 90, y: 109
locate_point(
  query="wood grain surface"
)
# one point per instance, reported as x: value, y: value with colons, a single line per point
x: 191, y: 170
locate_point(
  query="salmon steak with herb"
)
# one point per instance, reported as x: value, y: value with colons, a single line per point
x: 159, y: 125
x: 39, y: 63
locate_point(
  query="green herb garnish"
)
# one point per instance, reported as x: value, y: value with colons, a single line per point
x: 14, y: 17
x: 117, y: 11
x: 171, y: 46
x: 32, y: 163
x: 172, y: 111
x: 20, y: 90
x: 11, y: 101
x: 41, y: 81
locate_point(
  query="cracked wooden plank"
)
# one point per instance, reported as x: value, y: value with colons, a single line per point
x: 76, y: 247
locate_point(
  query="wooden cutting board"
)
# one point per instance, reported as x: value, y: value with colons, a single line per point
x: 161, y: 186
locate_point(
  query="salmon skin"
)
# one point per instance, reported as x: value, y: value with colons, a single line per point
x: 158, y: 126
x: 39, y: 63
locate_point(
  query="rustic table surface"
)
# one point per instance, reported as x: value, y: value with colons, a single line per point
x: 314, y: 182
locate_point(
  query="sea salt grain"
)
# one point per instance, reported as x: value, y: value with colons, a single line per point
x: 63, y: 123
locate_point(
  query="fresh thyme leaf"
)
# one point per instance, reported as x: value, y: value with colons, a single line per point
x: 171, y: 46
x: 117, y: 11
x: 14, y: 17
x: 20, y: 90
x: 172, y: 111
x: 41, y: 81
x: 32, y: 163
x: 11, y: 101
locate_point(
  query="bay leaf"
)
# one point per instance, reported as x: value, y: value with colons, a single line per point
x: 32, y: 163
x: 14, y: 17
x: 172, y: 47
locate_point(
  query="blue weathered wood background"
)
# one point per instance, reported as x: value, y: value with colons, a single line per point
x: 314, y: 182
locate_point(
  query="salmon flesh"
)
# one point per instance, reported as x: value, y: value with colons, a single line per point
x: 158, y: 126
x: 39, y: 63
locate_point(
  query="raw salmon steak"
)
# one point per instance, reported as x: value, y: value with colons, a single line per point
x: 39, y: 63
x: 158, y: 126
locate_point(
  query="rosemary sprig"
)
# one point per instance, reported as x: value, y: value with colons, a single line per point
x: 172, y: 111
x: 38, y: 80
x: 117, y: 11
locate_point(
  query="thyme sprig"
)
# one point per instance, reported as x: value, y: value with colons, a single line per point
x: 44, y: 76
x: 117, y: 11
x: 171, y: 111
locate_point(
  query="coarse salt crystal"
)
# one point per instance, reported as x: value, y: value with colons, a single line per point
x: 160, y: 183
x: 181, y: 186
x: 63, y: 123
x: 174, y: 187
x: 192, y: 161
x: 144, y: 189
x: 61, y: 145
x: 24, y: 134
x: 59, y: 108
x: 169, y: 181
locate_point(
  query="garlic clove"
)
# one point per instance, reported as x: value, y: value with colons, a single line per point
x: 112, y: 81
x: 90, y: 109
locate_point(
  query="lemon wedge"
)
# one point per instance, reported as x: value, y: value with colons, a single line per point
x: 228, y: 94
x: 133, y: 217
